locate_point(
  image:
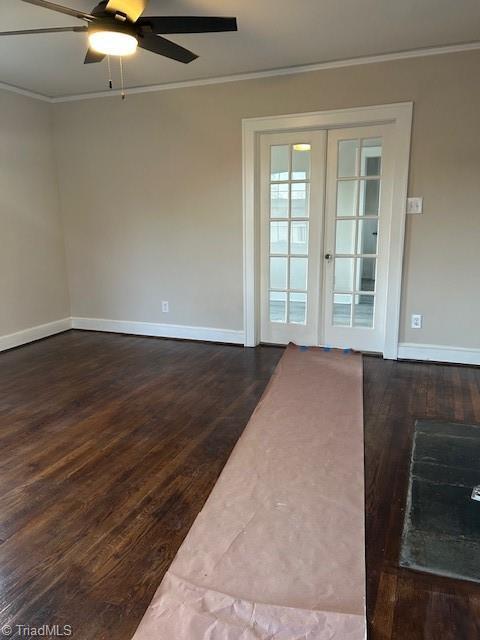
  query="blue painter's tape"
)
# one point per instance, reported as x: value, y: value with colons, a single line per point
x: 327, y: 349
x: 303, y: 348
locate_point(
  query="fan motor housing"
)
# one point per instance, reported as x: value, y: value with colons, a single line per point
x: 110, y: 23
x: 100, y: 11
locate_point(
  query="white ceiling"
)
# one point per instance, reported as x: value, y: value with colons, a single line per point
x: 272, y: 34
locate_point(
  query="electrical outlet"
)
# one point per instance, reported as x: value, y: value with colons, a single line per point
x: 416, y: 321
x: 165, y: 308
x: 414, y: 205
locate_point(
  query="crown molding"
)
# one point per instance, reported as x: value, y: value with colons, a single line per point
x: 335, y: 64
x: 255, y: 75
x: 24, y: 92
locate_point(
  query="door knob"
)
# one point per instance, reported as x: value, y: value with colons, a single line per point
x: 328, y: 256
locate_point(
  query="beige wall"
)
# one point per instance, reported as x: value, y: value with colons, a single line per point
x: 33, y: 285
x: 151, y: 193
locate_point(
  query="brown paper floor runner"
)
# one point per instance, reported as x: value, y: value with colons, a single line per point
x: 277, y: 553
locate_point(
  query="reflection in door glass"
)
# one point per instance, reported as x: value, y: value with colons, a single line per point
x: 371, y: 157
x: 347, y: 198
x: 342, y: 309
x: 369, y: 197
x: 298, y: 308
x: 366, y: 268
x: 278, y: 273
x: 367, y: 236
x: 363, y: 311
x: 347, y: 158
x: 278, y: 306
x: 345, y: 237
x: 300, y: 197
x: 298, y: 273
x: 279, y: 162
x: 299, y: 237
x: 301, y: 162
x: 279, y: 200
x: 278, y: 237
x: 344, y: 274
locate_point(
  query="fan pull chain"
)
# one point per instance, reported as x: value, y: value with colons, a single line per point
x: 110, y: 81
x: 122, y: 79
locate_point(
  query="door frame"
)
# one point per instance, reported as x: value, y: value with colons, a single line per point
x: 399, y: 115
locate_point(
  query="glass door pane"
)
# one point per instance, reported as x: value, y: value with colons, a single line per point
x: 290, y: 169
x: 357, y: 214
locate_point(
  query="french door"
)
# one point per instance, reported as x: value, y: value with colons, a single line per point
x: 358, y: 217
x: 292, y: 196
x: 325, y: 225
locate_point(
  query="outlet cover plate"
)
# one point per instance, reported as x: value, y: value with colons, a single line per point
x: 416, y: 321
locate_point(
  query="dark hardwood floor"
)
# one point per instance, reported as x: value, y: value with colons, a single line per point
x: 111, y: 444
x: 403, y: 604
x: 109, y: 447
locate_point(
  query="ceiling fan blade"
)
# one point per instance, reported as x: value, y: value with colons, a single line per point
x: 26, y: 32
x: 93, y: 56
x: 188, y: 24
x: 61, y: 9
x: 133, y: 9
x: 164, y: 47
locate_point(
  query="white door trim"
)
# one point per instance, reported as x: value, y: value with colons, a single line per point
x: 400, y: 115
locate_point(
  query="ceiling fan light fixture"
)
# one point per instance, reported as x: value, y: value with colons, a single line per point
x: 113, y: 43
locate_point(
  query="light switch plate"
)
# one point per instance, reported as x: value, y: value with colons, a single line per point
x: 414, y: 205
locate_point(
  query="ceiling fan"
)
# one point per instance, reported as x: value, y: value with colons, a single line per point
x: 117, y: 28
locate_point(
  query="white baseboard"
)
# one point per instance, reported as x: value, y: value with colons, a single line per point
x: 34, y: 333
x: 406, y: 350
x: 438, y: 353
x: 159, y: 330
